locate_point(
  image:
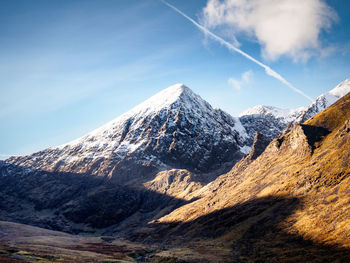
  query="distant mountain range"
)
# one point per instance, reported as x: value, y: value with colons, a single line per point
x: 175, y: 128
x: 271, y: 121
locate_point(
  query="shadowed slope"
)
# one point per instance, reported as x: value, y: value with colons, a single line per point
x: 254, y: 230
x: 73, y: 202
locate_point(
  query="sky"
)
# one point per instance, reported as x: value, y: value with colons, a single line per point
x: 69, y: 66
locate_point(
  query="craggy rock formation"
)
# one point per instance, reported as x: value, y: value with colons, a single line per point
x: 302, y: 139
x: 258, y: 147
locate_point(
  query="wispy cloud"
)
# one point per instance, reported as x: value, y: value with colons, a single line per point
x: 267, y: 69
x: 288, y: 27
x: 245, y: 79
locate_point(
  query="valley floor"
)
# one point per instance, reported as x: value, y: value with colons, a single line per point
x: 24, y: 243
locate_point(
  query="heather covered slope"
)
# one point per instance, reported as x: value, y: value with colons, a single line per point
x: 292, y: 203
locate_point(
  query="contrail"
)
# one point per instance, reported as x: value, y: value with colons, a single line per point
x: 268, y: 70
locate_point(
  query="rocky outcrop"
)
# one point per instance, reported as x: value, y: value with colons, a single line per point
x: 301, y: 140
x: 259, y: 145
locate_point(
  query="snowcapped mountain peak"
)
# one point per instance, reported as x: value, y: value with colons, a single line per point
x: 175, y: 96
x: 272, y: 121
x: 325, y: 100
x: 166, y: 96
x: 163, y: 99
x: 285, y: 115
x: 341, y: 89
x: 175, y: 128
x: 164, y: 102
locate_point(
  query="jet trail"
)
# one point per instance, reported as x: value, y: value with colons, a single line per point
x: 268, y: 70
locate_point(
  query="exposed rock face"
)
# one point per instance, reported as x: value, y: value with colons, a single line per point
x: 259, y: 145
x: 301, y: 139
x: 173, y: 129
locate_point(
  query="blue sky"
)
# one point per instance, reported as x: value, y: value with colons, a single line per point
x: 67, y: 67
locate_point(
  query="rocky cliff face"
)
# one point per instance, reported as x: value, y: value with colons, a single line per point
x: 174, y: 129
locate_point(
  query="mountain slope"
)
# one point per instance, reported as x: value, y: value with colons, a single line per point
x: 173, y: 129
x: 123, y: 172
x: 325, y: 100
x: 290, y: 204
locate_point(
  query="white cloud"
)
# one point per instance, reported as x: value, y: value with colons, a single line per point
x: 282, y: 27
x: 237, y: 84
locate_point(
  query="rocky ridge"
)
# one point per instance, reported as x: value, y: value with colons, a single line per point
x: 272, y: 121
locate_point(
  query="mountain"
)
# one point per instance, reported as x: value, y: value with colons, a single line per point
x: 175, y: 128
x: 162, y: 175
x: 272, y: 121
x: 268, y: 120
x: 291, y: 203
x: 130, y: 171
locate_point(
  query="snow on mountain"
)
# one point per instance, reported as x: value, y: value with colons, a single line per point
x: 286, y: 115
x: 267, y: 120
x: 173, y: 129
x: 325, y: 100
x: 271, y: 121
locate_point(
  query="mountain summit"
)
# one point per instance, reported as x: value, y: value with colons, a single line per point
x: 175, y: 128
